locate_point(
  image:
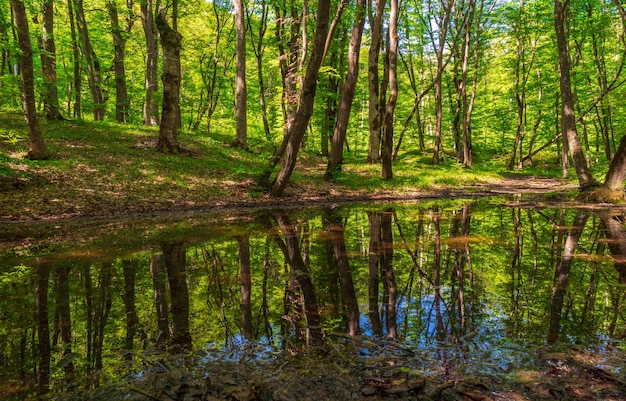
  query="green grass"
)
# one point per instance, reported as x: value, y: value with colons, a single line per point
x: 104, y: 167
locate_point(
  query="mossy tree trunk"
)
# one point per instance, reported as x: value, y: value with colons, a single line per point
x: 27, y: 80
x: 48, y: 62
x: 170, y: 110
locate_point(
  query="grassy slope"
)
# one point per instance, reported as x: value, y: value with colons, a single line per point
x: 105, y: 168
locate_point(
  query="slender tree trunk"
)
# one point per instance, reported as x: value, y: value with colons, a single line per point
x: 77, y: 112
x: 37, y: 149
x: 443, y: 32
x: 259, y: 50
x: 568, y: 120
x: 93, y: 65
x: 296, y: 132
x: 375, y: 109
x: 122, y: 106
x: 170, y: 112
x: 347, y: 92
x: 151, y: 103
x: 49, y: 63
x: 392, y: 57
x: 241, y: 95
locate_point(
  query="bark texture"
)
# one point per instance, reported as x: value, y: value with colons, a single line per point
x: 347, y: 92
x: 27, y: 81
x: 170, y: 111
x: 296, y: 131
x: 150, y: 104
x: 568, y: 119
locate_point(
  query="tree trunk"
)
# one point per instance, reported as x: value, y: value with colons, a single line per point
x: 444, y: 23
x: 241, y: 96
x: 93, y: 65
x: 76, y: 112
x: 151, y: 103
x: 392, y: 56
x: 375, y: 110
x: 122, y: 107
x: 568, y: 120
x: 170, y: 111
x: 27, y: 80
x: 613, y: 188
x: 347, y: 92
x: 297, y: 130
x: 259, y: 49
x: 49, y: 63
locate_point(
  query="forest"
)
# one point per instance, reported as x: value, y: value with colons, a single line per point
x: 516, y: 84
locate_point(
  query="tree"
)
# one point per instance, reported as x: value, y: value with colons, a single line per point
x: 295, y: 131
x: 259, y: 50
x: 122, y: 106
x: 375, y: 111
x: 150, y: 104
x: 76, y: 61
x: 27, y: 80
x: 613, y: 187
x: 443, y: 21
x: 48, y: 62
x: 171, y: 41
x: 392, y: 60
x: 347, y: 92
x: 568, y: 119
x: 93, y: 64
x: 241, y: 96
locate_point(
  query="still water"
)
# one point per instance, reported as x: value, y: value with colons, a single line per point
x: 500, y: 278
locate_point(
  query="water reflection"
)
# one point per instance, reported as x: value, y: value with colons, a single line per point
x: 479, y: 275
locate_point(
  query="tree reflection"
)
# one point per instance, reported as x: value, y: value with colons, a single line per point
x: 43, y: 326
x: 562, y: 273
x: 175, y: 262
x: 616, y: 239
x: 63, y: 320
x: 466, y: 279
x: 337, y: 241
x: 159, y: 283
x: 300, y: 279
x: 381, y: 265
x: 243, y: 244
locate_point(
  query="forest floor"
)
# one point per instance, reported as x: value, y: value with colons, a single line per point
x: 97, y: 169
x: 46, y: 194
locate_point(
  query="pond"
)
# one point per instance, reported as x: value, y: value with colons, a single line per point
x: 437, y: 291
